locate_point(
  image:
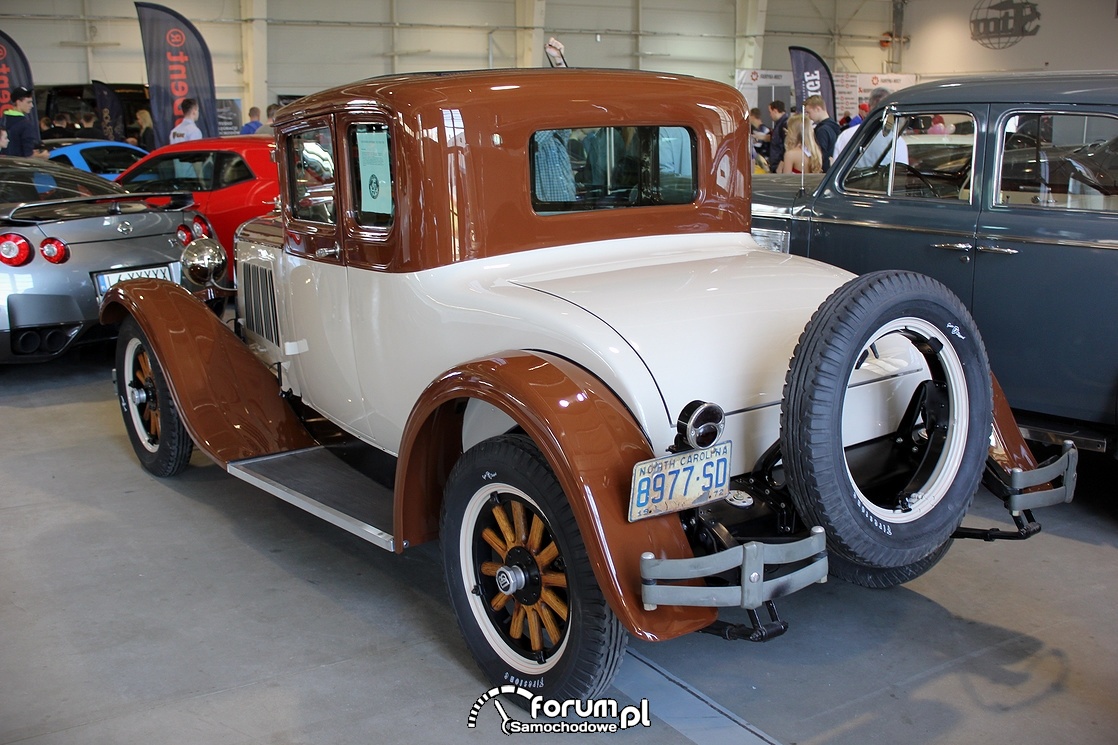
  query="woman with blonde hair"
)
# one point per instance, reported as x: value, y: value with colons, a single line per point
x: 146, y: 140
x: 801, y: 151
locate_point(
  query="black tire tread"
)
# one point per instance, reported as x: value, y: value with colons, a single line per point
x: 819, y: 362
x: 606, y: 638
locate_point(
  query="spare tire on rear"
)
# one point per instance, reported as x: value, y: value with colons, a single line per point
x: 886, y: 422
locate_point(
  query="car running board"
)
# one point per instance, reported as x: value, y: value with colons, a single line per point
x: 319, y: 482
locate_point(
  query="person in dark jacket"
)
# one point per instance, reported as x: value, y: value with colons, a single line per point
x: 776, y: 137
x: 23, y: 130
x: 826, y: 129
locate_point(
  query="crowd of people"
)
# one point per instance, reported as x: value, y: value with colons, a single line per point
x: 806, y: 142
x: 20, y: 135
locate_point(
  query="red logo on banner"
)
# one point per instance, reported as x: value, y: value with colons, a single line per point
x: 754, y: 75
x: 176, y: 37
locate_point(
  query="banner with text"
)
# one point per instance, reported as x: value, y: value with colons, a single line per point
x: 812, y: 77
x: 179, y: 67
x: 110, y: 114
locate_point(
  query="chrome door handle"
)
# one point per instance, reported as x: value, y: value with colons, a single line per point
x: 997, y: 250
x: 334, y: 252
x: 964, y: 247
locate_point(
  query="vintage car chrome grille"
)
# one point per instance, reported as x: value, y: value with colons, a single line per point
x: 258, y: 287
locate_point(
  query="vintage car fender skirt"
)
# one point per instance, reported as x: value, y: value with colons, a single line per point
x: 154, y: 427
x: 886, y: 423
x: 518, y: 575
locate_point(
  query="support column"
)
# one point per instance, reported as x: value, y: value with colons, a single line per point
x: 254, y: 55
x: 749, y: 32
x: 529, y: 32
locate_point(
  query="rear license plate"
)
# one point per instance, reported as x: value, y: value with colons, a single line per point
x: 680, y: 481
x: 105, y: 280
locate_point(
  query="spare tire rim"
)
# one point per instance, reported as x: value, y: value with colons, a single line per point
x: 914, y: 351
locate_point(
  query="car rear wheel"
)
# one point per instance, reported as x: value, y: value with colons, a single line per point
x: 158, y: 436
x: 886, y: 422
x: 519, y: 578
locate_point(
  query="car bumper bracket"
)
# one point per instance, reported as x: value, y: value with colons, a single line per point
x: 791, y: 566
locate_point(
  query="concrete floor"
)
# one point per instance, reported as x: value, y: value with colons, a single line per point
x: 199, y: 610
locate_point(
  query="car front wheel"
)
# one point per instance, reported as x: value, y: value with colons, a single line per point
x: 519, y: 578
x: 158, y: 436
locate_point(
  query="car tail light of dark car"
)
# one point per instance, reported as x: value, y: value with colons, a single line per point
x: 15, y: 250
x: 184, y: 234
x: 54, y: 250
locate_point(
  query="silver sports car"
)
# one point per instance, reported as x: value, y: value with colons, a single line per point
x: 66, y: 237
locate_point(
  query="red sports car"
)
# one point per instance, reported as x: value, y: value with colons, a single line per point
x: 234, y: 179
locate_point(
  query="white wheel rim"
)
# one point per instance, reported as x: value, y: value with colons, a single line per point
x: 471, y: 579
x: 943, y: 475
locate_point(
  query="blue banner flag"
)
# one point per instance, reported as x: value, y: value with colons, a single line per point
x: 179, y: 67
x: 14, y: 73
x: 110, y: 114
x: 812, y: 77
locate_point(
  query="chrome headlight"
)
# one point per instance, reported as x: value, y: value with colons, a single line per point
x: 203, y: 260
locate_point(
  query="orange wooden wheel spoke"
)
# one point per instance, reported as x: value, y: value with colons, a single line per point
x: 553, y: 579
x: 489, y: 568
x: 536, y: 534
x: 534, y: 635
x: 549, y: 598
x: 548, y: 555
x: 516, y: 628
x: 503, y: 523
x: 499, y: 600
x: 154, y: 421
x: 549, y: 624
x: 490, y: 536
x: 145, y: 368
x: 519, y: 522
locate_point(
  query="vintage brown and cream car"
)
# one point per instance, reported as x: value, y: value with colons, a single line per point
x: 521, y: 312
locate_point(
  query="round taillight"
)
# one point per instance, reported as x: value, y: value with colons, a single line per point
x: 14, y: 249
x: 54, y: 250
x: 184, y: 235
x: 200, y: 228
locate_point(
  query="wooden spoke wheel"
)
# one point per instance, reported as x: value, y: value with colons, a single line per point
x: 157, y: 434
x: 519, y: 578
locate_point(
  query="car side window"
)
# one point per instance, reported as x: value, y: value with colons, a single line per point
x: 233, y: 171
x: 1059, y: 161
x: 610, y: 167
x: 372, y: 168
x: 311, y: 174
x: 925, y: 155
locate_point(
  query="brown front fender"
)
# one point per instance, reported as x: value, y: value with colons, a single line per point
x: 591, y: 442
x: 229, y: 402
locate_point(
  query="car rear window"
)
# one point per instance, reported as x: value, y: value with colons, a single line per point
x: 609, y: 167
x: 110, y: 159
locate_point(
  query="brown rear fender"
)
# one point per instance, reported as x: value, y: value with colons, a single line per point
x: 229, y: 401
x: 591, y: 442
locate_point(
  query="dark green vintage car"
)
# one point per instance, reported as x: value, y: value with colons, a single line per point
x: 1006, y: 190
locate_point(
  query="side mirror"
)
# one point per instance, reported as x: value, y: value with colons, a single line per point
x: 888, y: 121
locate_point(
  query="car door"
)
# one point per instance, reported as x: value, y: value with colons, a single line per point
x: 900, y: 197
x: 317, y: 286
x: 1046, y: 268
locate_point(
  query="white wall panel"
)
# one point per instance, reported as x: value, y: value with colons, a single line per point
x: 1071, y: 35
x: 312, y: 44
